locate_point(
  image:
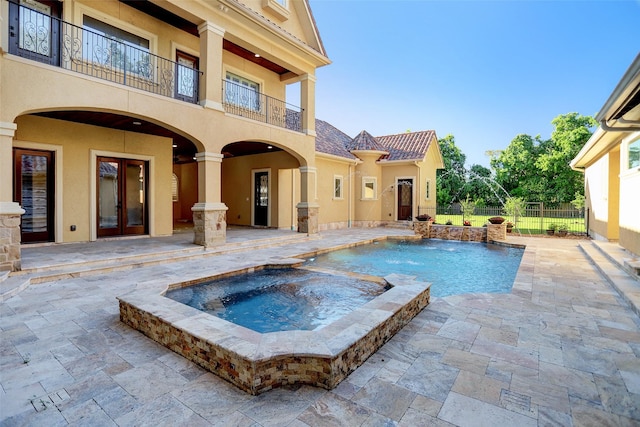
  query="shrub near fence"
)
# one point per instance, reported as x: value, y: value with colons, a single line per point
x: 535, y: 220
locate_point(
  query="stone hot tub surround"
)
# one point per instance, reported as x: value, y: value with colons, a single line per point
x: 258, y: 362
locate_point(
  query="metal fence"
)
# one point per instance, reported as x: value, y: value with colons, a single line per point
x: 535, y: 219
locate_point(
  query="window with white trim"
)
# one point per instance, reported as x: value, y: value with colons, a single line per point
x: 116, y: 48
x: 337, y: 187
x: 427, y: 190
x: 242, y: 92
x: 369, y: 188
x: 633, y: 154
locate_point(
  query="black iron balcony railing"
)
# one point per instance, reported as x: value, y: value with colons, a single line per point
x: 245, y: 101
x: 44, y: 38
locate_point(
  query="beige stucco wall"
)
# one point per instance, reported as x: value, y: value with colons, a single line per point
x: 187, y: 191
x: 367, y: 210
x: 391, y: 173
x: 597, y: 196
x: 237, y: 177
x: 75, y: 143
x: 334, y: 212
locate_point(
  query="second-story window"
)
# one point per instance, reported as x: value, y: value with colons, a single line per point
x: 242, y: 92
x: 116, y: 48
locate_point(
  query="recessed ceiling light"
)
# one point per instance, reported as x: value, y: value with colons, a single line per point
x: 175, y: 145
x: 257, y: 55
x: 269, y: 147
x: 137, y: 123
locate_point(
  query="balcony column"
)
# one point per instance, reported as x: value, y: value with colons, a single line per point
x: 209, y: 214
x: 308, y: 207
x: 10, y: 211
x: 308, y: 101
x: 211, y: 37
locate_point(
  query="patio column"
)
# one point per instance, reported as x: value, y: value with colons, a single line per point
x: 211, y: 65
x: 10, y: 211
x: 308, y: 208
x: 209, y: 214
x: 308, y: 101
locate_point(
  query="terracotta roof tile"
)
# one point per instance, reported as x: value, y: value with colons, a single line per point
x: 408, y: 145
x: 331, y: 140
x: 365, y: 141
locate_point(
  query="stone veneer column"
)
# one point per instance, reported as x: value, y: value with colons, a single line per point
x: 307, y: 209
x: 10, y: 211
x: 209, y: 214
x: 308, y: 218
x: 496, y: 232
x: 209, y: 224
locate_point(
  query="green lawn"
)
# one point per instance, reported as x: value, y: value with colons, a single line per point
x: 524, y: 225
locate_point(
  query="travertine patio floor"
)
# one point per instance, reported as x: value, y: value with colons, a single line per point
x: 563, y: 348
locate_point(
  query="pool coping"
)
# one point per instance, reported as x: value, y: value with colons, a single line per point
x: 257, y: 362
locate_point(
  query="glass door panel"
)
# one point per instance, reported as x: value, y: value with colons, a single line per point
x: 135, y: 194
x: 109, y: 205
x: 34, y: 192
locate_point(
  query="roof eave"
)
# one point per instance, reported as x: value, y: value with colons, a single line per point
x: 623, y: 93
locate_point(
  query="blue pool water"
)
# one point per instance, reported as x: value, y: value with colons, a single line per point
x: 452, y: 267
x: 279, y: 299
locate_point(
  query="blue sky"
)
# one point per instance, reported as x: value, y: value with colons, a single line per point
x: 484, y: 71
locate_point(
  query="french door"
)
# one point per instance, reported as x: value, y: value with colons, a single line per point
x: 405, y: 199
x: 261, y: 198
x: 34, y: 191
x: 122, y: 197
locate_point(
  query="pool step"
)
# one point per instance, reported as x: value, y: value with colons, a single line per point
x: 624, y: 283
x: 17, y: 281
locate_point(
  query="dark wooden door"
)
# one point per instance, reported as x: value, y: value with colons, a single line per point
x: 122, y: 196
x: 405, y: 199
x: 261, y: 199
x: 34, y: 179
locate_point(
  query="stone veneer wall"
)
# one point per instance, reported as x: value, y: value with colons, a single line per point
x: 320, y: 358
x: 492, y: 232
x: 10, y: 254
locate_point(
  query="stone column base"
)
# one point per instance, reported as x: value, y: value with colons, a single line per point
x: 307, y: 218
x: 496, y: 232
x: 10, y: 255
x: 209, y: 224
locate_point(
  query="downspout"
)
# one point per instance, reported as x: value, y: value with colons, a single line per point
x: 419, y: 184
x: 349, y: 199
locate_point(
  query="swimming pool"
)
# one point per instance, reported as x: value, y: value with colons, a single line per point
x: 452, y: 267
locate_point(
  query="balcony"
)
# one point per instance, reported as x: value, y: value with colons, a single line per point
x: 246, y: 101
x: 40, y: 37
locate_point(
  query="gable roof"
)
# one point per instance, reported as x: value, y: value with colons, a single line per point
x: 331, y: 140
x: 364, y: 141
x: 408, y: 145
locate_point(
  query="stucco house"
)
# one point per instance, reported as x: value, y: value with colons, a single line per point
x: 117, y: 116
x: 610, y: 161
x: 124, y: 117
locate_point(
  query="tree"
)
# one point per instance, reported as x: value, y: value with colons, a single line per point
x: 450, y: 180
x: 482, y: 188
x: 571, y: 132
x: 515, y: 167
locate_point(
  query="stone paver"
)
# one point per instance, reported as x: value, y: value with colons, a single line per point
x: 563, y: 348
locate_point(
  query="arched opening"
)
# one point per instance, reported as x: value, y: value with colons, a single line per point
x: 109, y: 174
x: 260, y: 185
